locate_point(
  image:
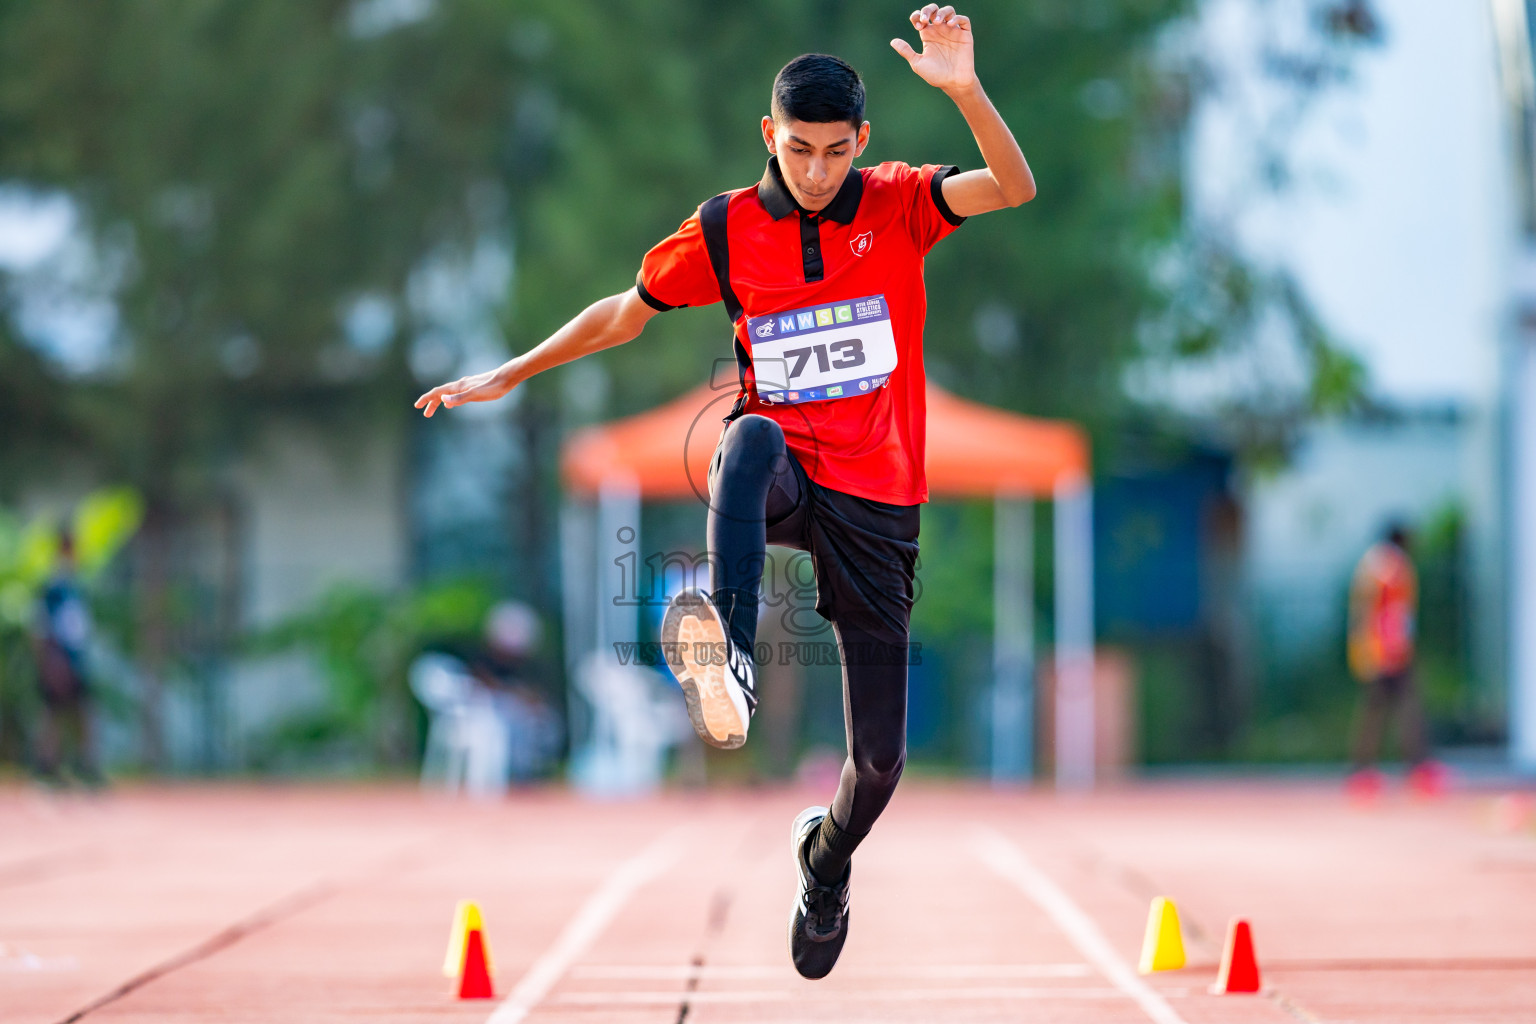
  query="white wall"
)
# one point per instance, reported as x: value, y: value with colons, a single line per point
x: 318, y: 512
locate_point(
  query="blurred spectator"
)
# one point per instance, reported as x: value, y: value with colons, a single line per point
x: 511, y: 667
x: 1383, y: 605
x: 60, y: 639
x: 510, y: 658
x: 492, y: 720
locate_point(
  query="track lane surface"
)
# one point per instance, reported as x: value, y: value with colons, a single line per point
x: 1402, y: 913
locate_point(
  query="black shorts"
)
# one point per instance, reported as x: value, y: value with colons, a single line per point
x: 864, y: 551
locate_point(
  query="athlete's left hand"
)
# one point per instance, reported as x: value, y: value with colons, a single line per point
x: 948, y: 58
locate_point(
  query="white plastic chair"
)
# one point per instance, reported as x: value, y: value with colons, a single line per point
x: 467, y: 740
x: 636, y: 717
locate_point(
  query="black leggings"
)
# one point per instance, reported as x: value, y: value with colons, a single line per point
x: 758, y: 494
x: 1378, y: 698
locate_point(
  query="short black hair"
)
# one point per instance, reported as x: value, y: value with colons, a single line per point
x: 820, y: 89
x: 1397, y: 532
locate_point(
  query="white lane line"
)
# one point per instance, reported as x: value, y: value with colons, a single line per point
x: 979, y: 971
x: 590, y: 921
x: 944, y: 995
x: 682, y: 972
x: 1009, y: 862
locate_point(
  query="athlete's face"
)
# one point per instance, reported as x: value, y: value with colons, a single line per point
x: 814, y: 156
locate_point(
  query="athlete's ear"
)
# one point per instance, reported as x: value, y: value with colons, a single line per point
x: 863, y: 139
x: 768, y: 139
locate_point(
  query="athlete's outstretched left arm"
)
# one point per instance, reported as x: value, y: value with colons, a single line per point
x: 947, y: 62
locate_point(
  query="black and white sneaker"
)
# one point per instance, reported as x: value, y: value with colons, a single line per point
x: 717, y: 676
x: 818, y: 922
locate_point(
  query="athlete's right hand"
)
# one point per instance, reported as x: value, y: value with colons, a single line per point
x: 481, y: 387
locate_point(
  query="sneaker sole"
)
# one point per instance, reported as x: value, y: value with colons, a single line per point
x: 716, y: 706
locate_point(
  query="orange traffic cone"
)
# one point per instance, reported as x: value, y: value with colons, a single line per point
x: 474, y: 975
x: 1239, y: 967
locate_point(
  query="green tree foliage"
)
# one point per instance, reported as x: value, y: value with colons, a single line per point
x: 249, y: 174
x: 1032, y: 309
x: 255, y: 168
x: 637, y: 120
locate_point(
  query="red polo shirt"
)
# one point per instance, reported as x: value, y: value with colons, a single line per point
x: 860, y: 257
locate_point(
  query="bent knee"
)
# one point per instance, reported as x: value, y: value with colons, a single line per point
x: 752, y: 438
x: 754, y: 431
x: 883, y: 770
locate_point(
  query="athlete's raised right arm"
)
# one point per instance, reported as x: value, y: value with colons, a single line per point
x: 604, y: 324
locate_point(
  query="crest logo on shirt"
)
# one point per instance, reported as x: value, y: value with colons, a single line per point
x: 861, y: 244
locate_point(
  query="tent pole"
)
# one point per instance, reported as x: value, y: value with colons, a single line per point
x: 578, y: 571
x: 1013, y: 647
x: 1074, y: 634
x: 618, y: 562
x: 576, y: 575
x: 612, y: 541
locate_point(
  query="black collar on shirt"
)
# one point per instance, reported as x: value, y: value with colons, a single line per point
x: 780, y: 203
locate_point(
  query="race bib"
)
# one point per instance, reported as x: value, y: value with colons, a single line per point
x: 824, y: 352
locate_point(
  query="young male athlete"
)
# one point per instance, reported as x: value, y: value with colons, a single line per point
x: 820, y: 268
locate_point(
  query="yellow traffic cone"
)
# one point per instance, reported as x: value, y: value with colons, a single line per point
x: 466, y: 919
x: 1163, y: 948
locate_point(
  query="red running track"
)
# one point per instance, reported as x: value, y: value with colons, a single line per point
x: 333, y: 904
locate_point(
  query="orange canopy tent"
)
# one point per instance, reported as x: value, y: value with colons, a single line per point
x: 973, y: 451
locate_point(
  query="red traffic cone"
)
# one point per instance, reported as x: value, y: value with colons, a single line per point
x: 1239, y: 967
x: 474, y: 976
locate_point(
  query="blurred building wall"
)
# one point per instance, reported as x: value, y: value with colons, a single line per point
x: 318, y: 511
x: 310, y: 511
x: 1514, y: 21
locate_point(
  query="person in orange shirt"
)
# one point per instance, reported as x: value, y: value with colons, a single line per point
x: 1383, y: 607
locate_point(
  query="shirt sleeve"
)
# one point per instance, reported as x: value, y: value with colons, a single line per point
x: 677, y: 271
x: 929, y: 217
